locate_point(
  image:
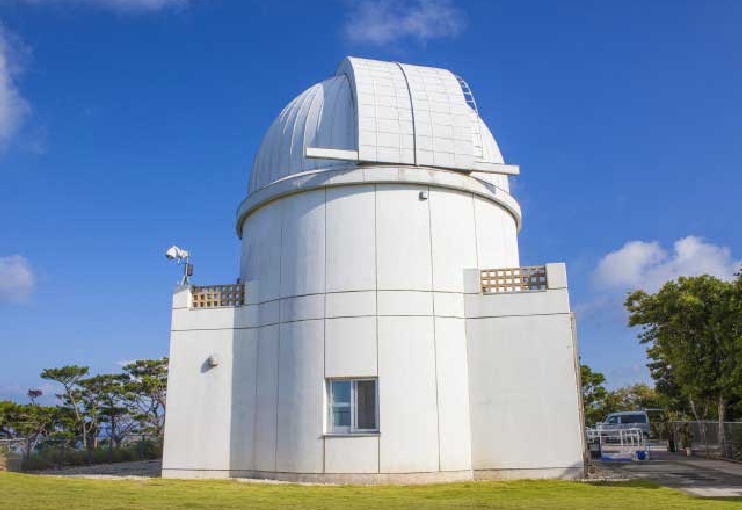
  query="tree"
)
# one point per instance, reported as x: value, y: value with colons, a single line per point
x: 148, y: 386
x: 599, y: 402
x: 635, y: 396
x: 69, y: 376
x: 33, y: 395
x: 693, y: 330
x: 7, y: 409
x: 114, y: 403
x: 593, y: 394
x: 28, y: 422
x: 34, y: 422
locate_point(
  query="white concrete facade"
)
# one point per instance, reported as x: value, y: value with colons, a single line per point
x: 370, y: 270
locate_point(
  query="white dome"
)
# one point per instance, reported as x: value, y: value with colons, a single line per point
x: 389, y: 113
x: 324, y: 115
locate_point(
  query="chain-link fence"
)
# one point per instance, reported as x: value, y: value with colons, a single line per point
x: 706, y: 439
x: 56, y: 452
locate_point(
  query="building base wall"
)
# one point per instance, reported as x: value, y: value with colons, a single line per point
x: 359, y: 478
x: 560, y: 473
x: 566, y: 473
x: 195, y: 474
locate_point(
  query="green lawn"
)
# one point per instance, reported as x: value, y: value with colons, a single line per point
x: 19, y: 492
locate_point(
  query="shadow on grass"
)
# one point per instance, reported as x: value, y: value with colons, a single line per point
x: 626, y: 484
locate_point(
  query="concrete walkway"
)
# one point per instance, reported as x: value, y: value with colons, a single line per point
x: 694, y: 475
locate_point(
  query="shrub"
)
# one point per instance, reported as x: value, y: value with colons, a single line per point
x: 52, y: 455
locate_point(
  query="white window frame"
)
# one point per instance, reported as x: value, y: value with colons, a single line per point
x: 353, y: 429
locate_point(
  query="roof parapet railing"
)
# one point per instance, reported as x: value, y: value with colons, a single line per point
x: 513, y: 279
x: 215, y: 296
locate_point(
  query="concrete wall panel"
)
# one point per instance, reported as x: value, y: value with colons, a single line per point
x: 523, y: 384
x: 267, y: 398
x: 185, y: 319
x: 303, y: 308
x: 269, y: 313
x: 453, y: 394
x: 398, y: 302
x: 301, y: 398
x: 261, y: 251
x: 352, y: 454
x: 351, y: 254
x: 244, y: 398
x: 453, y: 238
x: 402, y: 238
x: 350, y: 347
x: 516, y: 303
x: 448, y: 304
x: 408, y: 416
x: 350, y: 304
x: 497, y: 243
x: 194, y: 389
x: 303, y: 244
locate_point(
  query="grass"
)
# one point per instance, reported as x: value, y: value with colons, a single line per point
x: 34, y: 492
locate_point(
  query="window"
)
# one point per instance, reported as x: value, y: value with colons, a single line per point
x: 352, y: 406
x: 612, y: 419
x: 633, y: 418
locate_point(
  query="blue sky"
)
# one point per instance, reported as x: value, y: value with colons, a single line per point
x: 128, y: 125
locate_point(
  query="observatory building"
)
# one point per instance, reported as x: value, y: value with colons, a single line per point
x: 382, y: 329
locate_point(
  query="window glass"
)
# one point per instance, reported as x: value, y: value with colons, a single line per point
x: 633, y: 418
x: 612, y: 419
x: 352, y: 405
x: 341, y: 399
x: 366, y: 404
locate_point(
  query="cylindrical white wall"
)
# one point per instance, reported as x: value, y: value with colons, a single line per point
x: 361, y: 281
x: 372, y: 237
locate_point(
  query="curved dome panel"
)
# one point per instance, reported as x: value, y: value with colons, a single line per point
x: 385, y: 113
x: 322, y: 116
x: 491, y: 152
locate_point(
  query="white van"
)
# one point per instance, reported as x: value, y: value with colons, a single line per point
x: 626, y: 420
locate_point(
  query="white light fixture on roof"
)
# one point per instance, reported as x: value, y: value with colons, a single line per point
x: 180, y: 255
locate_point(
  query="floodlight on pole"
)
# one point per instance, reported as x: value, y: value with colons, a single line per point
x: 180, y: 255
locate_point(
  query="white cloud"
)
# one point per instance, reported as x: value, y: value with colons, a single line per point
x: 119, y: 5
x: 383, y: 22
x: 16, y: 279
x: 14, y: 109
x: 646, y: 265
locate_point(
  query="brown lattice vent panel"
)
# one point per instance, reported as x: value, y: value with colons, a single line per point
x: 515, y: 279
x: 214, y: 296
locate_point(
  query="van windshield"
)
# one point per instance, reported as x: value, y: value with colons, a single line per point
x: 633, y: 418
